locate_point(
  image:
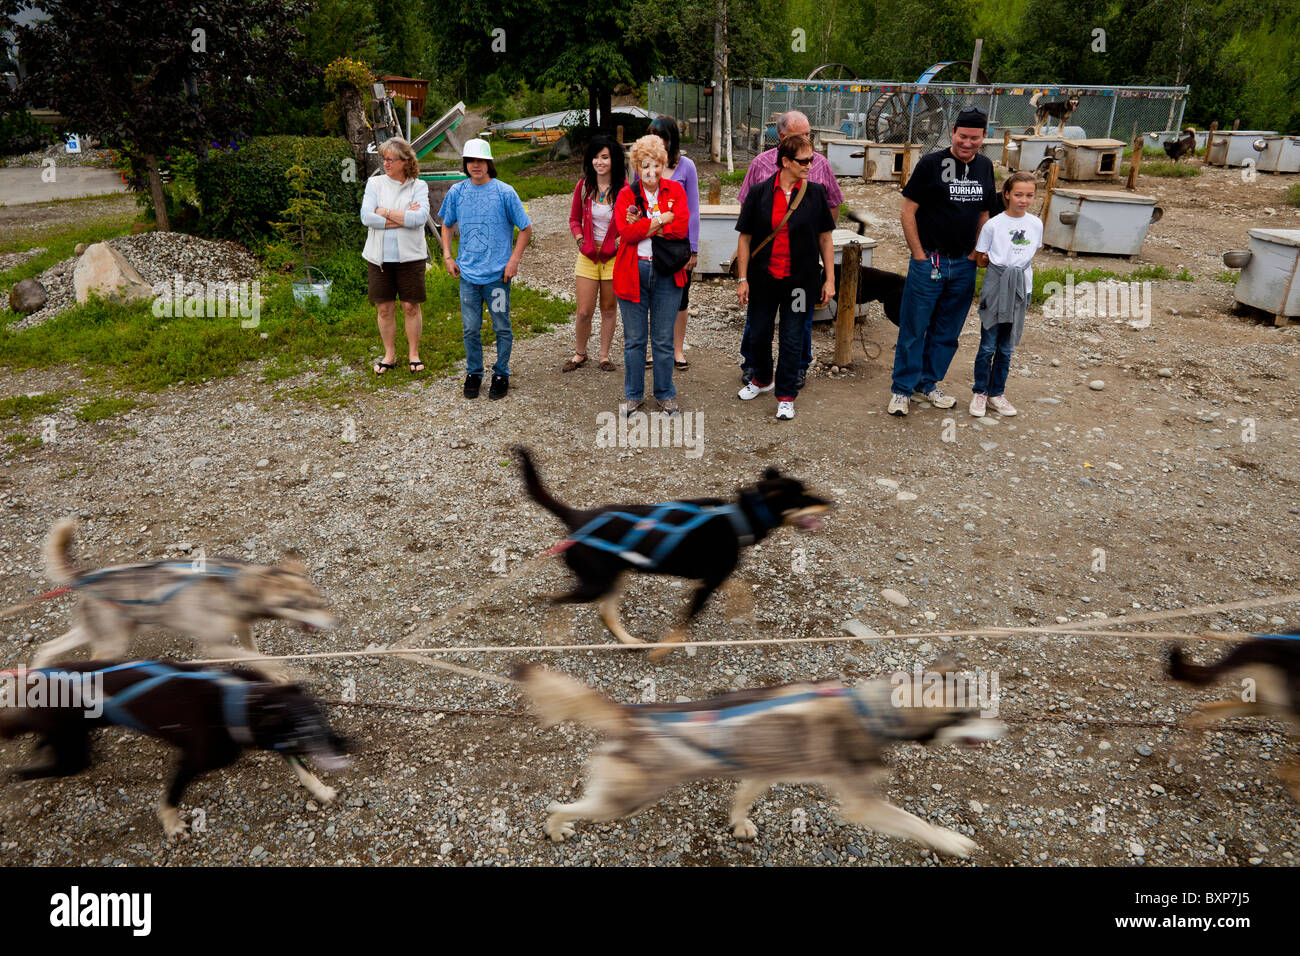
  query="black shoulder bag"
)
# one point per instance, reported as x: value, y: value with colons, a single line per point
x: 668, y: 256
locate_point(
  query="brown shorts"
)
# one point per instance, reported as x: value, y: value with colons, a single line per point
x: 404, y: 280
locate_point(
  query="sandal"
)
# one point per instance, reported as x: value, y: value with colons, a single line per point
x: 382, y: 367
x: 413, y: 363
x: 681, y: 366
x: 570, y: 365
x: 607, y: 366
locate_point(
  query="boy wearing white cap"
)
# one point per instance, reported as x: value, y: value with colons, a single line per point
x: 487, y: 212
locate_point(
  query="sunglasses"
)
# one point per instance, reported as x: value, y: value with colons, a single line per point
x: 802, y: 162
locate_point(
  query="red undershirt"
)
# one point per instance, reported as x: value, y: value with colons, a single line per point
x: 779, y: 264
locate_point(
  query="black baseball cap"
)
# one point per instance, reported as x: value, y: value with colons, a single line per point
x: 972, y: 117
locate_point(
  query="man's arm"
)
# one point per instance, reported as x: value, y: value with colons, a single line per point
x: 910, y: 232
x: 984, y: 217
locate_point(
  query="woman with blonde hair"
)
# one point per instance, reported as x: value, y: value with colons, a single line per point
x: 653, y: 220
x: 395, y: 208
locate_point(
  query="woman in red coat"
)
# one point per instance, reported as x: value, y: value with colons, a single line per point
x: 649, y: 207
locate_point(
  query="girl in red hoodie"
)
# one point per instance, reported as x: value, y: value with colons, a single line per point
x: 647, y: 207
x: 591, y: 220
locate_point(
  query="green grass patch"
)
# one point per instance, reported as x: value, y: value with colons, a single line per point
x: 18, y: 443
x: 23, y: 408
x: 1152, y: 273
x: 127, y: 346
x: 1293, y: 194
x: 1228, y: 276
x: 102, y: 407
x: 1185, y: 276
x: 1164, y: 168
x: 734, y: 177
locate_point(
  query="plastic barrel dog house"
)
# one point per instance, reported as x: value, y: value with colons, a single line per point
x: 1099, y: 221
x: 1235, y: 146
x: 1028, y: 150
x: 840, y: 154
x: 1269, y: 279
x: 718, y: 240
x: 1278, y: 154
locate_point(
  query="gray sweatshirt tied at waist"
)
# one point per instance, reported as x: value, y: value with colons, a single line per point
x: 1003, y: 299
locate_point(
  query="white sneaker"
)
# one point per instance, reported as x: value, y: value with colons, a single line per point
x: 785, y: 410
x: 752, y: 390
x: 1000, y: 405
x: 938, y: 399
x: 897, y: 404
x: 977, y: 403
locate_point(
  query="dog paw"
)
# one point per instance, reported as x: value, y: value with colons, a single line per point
x: 177, y: 830
x: 953, y: 844
x: 325, y: 795
x: 745, y: 830
x: 558, y: 831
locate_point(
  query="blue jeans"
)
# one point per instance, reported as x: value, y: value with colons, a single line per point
x: 655, y: 315
x: 769, y: 296
x: 929, y: 322
x: 496, y: 296
x: 995, y: 351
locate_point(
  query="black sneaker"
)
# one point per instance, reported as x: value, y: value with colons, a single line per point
x: 472, y: 383
x: 500, y: 385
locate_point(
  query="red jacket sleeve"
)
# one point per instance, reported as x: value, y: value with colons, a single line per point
x: 680, y: 227
x: 634, y: 232
x: 576, y: 210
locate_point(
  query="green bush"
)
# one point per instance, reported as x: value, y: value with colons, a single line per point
x: 21, y: 133
x: 241, y: 193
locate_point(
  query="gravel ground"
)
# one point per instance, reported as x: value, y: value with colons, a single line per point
x: 422, y: 508
x: 159, y: 257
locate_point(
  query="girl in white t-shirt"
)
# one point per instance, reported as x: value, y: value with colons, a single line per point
x: 1006, y: 246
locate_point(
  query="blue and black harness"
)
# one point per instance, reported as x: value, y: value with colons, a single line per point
x: 674, y: 520
x: 234, y: 695
x: 882, y: 722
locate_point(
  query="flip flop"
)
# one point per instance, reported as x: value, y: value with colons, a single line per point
x: 382, y: 368
x: 680, y: 366
x: 570, y: 365
x: 413, y: 363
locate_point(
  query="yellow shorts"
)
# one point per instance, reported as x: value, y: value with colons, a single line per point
x: 589, y: 269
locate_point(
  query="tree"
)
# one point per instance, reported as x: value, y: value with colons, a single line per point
x: 146, y: 78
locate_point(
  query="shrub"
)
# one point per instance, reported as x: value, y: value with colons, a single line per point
x: 20, y: 132
x: 243, y: 193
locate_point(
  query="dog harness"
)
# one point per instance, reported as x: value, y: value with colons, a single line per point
x: 688, y: 518
x: 196, y: 575
x: 234, y: 696
x: 881, y: 722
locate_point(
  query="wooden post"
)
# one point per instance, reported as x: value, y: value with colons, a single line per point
x: 715, y: 193
x: 1047, y: 193
x: 907, y: 166
x: 846, y: 314
x: 1209, y: 143
x: 1139, y: 144
x: 1006, y: 147
x: 619, y: 134
x: 1236, y: 124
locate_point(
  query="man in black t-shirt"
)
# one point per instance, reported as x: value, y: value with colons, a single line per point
x: 945, y: 204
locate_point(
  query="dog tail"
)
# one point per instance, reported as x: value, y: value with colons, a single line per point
x: 58, y: 568
x: 1180, y: 668
x: 558, y: 697
x: 539, y: 494
x: 1033, y: 100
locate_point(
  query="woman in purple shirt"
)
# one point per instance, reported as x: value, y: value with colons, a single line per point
x: 681, y: 170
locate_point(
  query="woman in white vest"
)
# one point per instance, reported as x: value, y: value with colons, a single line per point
x: 395, y: 208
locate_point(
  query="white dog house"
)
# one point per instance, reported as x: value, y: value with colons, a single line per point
x: 1278, y: 154
x: 1235, y: 146
x: 1270, y: 272
x: 1099, y: 221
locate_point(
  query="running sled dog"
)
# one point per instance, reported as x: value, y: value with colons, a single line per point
x: 820, y: 733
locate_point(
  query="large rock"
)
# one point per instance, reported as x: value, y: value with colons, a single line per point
x: 103, y: 271
x: 27, y: 297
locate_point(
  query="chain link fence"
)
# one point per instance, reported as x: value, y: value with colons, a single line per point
x: 921, y: 113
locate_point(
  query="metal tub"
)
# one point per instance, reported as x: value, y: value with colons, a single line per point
x: 717, y: 238
x: 1233, y: 147
x: 1099, y: 221
x: 839, y: 152
x: 1027, y: 151
x: 1280, y: 154
x: 1269, y: 279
